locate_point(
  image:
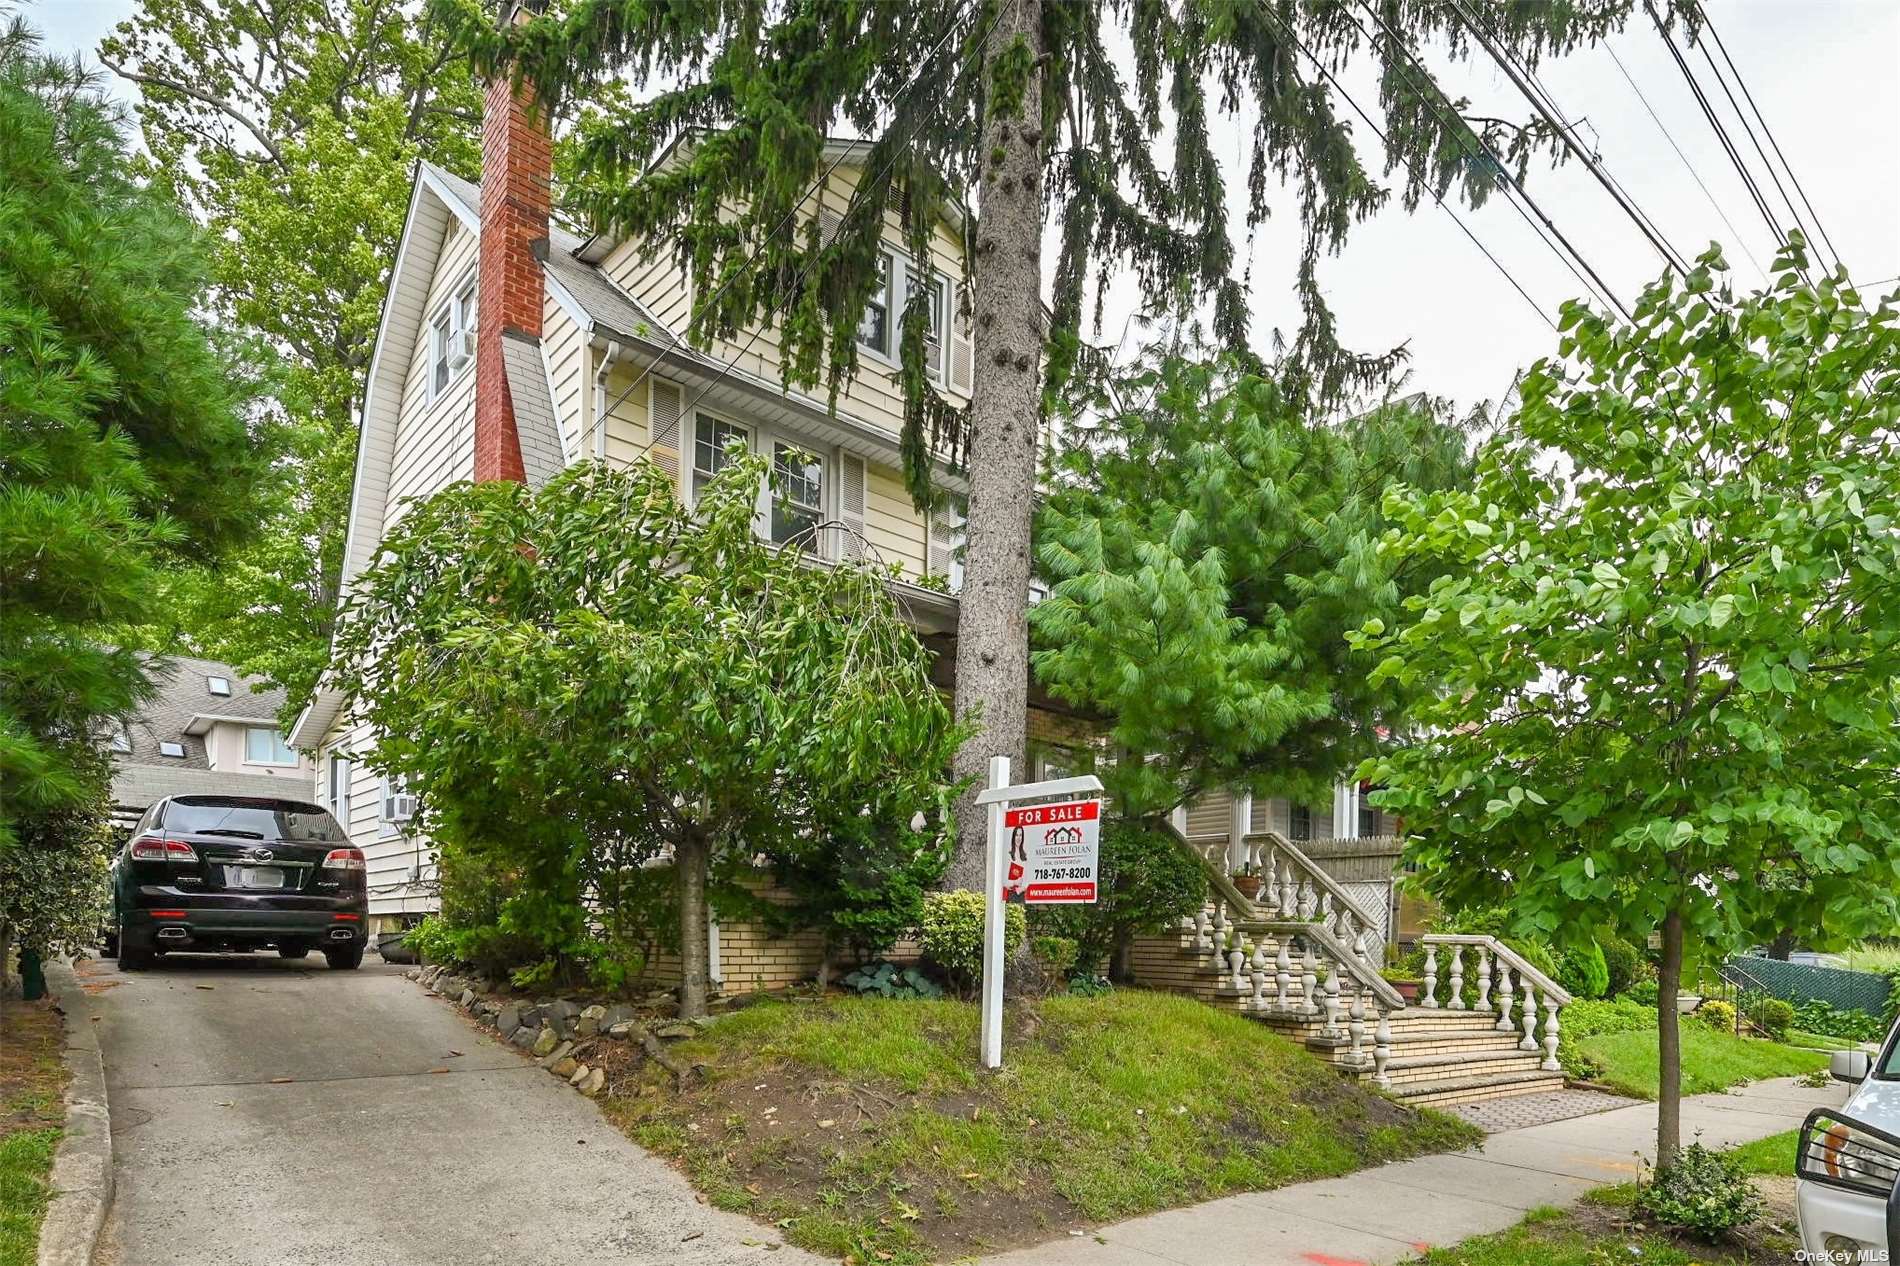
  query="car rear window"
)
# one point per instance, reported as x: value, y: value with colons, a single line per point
x: 253, y: 820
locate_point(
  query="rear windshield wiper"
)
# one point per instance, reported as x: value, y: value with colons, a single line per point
x: 224, y: 830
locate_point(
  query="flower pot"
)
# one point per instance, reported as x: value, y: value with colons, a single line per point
x: 1408, y: 989
x: 394, y: 948
x: 1249, y: 885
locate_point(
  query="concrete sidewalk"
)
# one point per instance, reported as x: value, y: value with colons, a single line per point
x: 1385, y: 1215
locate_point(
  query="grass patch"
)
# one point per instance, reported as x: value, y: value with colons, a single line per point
x: 1821, y: 1041
x: 1773, y: 1155
x: 863, y: 1128
x: 32, y: 1086
x: 1602, y: 1230
x: 1710, y: 1060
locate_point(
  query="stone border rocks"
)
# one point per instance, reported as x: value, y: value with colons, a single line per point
x: 82, y: 1166
x: 559, y: 1034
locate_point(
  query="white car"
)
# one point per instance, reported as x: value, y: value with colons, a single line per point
x: 1847, y: 1168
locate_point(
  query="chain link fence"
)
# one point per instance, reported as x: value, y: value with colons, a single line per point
x: 1801, y: 982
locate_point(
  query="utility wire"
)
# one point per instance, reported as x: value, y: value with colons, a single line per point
x: 1508, y: 64
x: 1383, y: 140
x: 1734, y: 232
x: 1721, y: 133
x: 1593, y: 282
x: 1709, y: 25
x: 1749, y: 130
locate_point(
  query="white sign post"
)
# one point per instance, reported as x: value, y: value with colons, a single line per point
x: 1042, y: 853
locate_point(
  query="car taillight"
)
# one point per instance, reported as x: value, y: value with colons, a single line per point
x: 344, y: 859
x: 152, y: 848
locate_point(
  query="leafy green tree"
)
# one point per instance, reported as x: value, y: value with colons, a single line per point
x: 594, y: 667
x: 1210, y: 546
x: 124, y: 442
x: 291, y: 128
x: 1665, y: 649
x: 1022, y: 102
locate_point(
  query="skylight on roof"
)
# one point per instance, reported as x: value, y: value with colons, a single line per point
x: 218, y: 685
x: 172, y: 749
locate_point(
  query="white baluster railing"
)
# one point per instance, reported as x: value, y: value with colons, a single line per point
x: 1518, y: 984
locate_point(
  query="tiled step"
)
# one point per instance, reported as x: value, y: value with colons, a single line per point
x: 1416, y: 1068
x: 1473, y: 1089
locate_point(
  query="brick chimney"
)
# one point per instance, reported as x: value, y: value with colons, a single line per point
x: 517, y: 164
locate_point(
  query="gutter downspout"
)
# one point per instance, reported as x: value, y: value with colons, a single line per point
x: 597, y: 430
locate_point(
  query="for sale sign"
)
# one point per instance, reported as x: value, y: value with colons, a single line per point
x: 1052, y: 853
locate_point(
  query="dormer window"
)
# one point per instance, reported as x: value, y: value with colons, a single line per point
x: 122, y: 738
x: 174, y: 750
x: 452, y: 336
x: 218, y: 685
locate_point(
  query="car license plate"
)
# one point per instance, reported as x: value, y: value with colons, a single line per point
x: 260, y: 877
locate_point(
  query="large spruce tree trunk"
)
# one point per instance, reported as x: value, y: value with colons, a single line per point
x: 1669, y: 1043
x: 1005, y: 415
x: 690, y: 859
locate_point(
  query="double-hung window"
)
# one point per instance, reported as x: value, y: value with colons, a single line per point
x: 798, y: 495
x: 1299, y: 822
x: 874, y: 327
x: 265, y: 746
x: 451, y: 336
x: 710, y: 437
x: 937, y: 320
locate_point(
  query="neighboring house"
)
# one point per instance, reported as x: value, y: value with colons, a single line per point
x: 209, y: 731
x: 510, y: 348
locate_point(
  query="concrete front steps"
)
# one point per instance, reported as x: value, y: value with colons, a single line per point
x: 1442, y: 1057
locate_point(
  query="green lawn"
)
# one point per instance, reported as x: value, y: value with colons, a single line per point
x: 25, y: 1158
x: 863, y: 1127
x: 1710, y: 1060
x: 1772, y: 1155
x: 32, y: 1078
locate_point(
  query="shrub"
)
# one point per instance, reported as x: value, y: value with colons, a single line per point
x: 1582, y: 971
x: 1625, y: 964
x: 953, y: 934
x: 1147, y: 884
x: 1815, y: 1016
x: 1777, y: 1016
x: 1703, y: 1192
x: 1643, y: 991
x: 888, y: 980
x: 1717, y: 1014
x: 432, y: 940
x: 1058, y: 953
x: 1613, y: 1015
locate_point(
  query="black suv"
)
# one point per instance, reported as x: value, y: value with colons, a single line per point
x: 208, y: 874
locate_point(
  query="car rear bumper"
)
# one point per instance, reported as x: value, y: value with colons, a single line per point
x: 236, y: 920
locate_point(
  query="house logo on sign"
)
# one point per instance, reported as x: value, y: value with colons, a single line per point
x: 1053, y: 853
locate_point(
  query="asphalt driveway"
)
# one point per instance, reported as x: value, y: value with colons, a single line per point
x: 272, y: 1113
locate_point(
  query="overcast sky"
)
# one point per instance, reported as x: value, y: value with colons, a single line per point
x: 1825, y: 73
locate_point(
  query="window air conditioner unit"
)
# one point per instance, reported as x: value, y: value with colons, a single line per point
x: 464, y: 344
x: 402, y: 806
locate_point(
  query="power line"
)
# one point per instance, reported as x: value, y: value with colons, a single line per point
x: 1776, y: 145
x: 1693, y: 173
x: 1721, y: 133
x: 1383, y: 140
x: 1749, y: 131
x: 1601, y: 289
x: 1508, y: 64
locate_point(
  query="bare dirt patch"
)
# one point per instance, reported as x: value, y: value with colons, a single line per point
x: 32, y: 1075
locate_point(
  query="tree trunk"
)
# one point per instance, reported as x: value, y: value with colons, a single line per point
x: 1781, y: 947
x: 1669, y: 1043
x: 690, y: 859
x: 1005, y: 420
